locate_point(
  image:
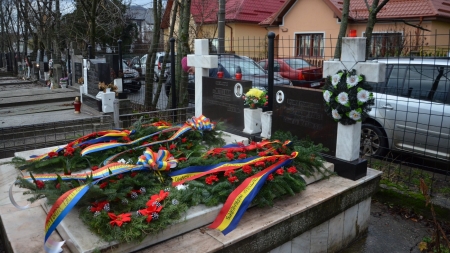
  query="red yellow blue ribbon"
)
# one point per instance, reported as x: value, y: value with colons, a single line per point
x: 239, y: 200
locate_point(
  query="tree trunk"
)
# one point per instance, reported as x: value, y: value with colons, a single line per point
x: 151, y: 57
x: 369, y: 29
x: 183, y: 49
x: 92, y: 34
x: 343, y: 29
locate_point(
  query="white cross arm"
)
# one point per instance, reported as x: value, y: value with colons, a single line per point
x: 373, y: 71
x: 202, y: 61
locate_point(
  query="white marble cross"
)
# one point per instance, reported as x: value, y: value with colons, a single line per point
x: 202, y: 62
x: 353, y: 56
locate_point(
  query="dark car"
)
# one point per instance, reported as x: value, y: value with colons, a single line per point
x: 131, y: 79
x: 299, y: 71
x: 250, y: 70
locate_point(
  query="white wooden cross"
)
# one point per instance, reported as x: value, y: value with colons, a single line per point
x: 202, y: 62
x: 353, y: 56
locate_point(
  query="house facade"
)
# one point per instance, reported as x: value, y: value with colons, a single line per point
x: 309, y: 28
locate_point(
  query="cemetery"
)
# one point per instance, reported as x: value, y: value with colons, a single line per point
x: 210, y: 179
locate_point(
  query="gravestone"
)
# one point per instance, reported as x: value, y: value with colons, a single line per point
x: 301, y: 111
x: 1, y: 60
x: 222, y: 101
x: 348, y: 139
x: 98, y: 71
x: 43, y: 68
x: 202, y: 63
x: 78, y: 70
x: 113, y: 61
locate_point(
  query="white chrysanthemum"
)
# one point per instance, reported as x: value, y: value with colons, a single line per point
x: 343, y: 98
x: 335, y: 79
x: 352, y: 80
x: 181, y: 187
x: 363, y: 96
x: 255, y: 101
x: 354, y: 115
x: 335, y: 114
x: 327, y: 95
x: 122, y: 161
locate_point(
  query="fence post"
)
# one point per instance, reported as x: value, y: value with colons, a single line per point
x: 270, y: 61
x: 172, y: 72
x: 172, y: 78
x: 69, y: 69
x: 119, y: 45
x: 89, y: 52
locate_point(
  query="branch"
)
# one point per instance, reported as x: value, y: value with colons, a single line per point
x: 367, y: 4
x: 380, y: 6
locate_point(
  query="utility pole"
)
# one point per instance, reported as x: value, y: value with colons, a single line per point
x: 221, y: 27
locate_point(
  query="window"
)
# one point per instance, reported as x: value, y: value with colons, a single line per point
x: 386, y: 44
x: 309, y: 44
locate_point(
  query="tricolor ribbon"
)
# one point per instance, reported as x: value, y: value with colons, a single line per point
x: 200, y: 124
x: 104, y: 136
x: 239, y: 200
x: 64, y: 204
x: 115, y: 168
x: 194, y: 172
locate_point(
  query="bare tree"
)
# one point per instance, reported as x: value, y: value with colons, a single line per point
x: 372, y: 19
x: 343, y: 29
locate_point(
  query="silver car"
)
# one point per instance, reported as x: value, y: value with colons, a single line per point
x: 411, y: 111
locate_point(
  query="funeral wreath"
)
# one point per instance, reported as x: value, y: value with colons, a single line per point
x: 348, y: 97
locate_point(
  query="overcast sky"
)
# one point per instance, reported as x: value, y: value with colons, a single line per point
x: 144, y: 3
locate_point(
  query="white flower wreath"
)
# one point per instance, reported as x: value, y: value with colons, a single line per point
x: 347, y: 97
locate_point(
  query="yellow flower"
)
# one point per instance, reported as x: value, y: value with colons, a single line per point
x: 255, y: 93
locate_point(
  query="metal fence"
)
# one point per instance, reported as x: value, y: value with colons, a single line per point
x: 407, y: 134
x: 21, y: 138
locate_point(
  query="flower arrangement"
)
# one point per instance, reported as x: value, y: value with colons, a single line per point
x: 80, y: 80
x: 102, y: 86
x: 255, y: 98
x: 347, y: 97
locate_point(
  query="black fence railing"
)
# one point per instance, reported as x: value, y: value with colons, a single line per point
x: 21, y: 138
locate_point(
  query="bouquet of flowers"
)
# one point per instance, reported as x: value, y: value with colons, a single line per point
x: 102, y: 86
x: 255, y: 98
x: 347, y: 97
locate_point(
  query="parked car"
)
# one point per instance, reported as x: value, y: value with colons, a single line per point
x: 158, y: 65
x: 131, y: 78
x: 411, y: 111
x: 250, y: 70
x: 299, y: 71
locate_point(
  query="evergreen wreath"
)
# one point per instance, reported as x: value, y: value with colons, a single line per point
x: 347, y: 97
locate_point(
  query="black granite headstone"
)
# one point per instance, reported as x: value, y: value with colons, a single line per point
x: 222, y: 101
x: 113, y: 61
x: 98, y: 72
x: 1, y: 60
x: 78, y: 72
x: 301, y: 111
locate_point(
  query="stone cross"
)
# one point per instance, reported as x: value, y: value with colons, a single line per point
x: 353, y: 57
x: 202, y: 62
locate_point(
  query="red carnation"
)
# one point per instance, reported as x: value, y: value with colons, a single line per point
x: 292, y: 170
x: 242, y: 156
x: 184, y: 140
x: 58, y: 186
x: 145, y: 143
x: 270, y: 177
x: 40, y: 184
x: 279, y: 171
x: 247, y: 169
x: 233, y: 179
x: 211, y: 179
x: 52, y: 154
x: 133, y: 174
x: 126, y: 138
x: 162, y: 148
x: 103, y: 185
x: 172, y: 146
x: 120, y: 176
x: 260, y: 164
x: 94, y: 168
x: 262, y: 153
x: 155, y: 138
x: 230, y: 156
x: 228, y: 173
x: 182, y: 159
x: 69, y: 151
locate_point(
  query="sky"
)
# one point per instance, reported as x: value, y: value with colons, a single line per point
x: 143, y: 3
